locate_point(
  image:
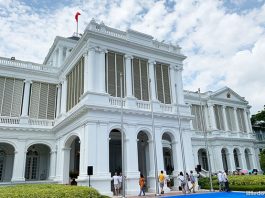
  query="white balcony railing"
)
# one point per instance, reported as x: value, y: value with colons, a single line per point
x: 166, y: 107
x: 9, y: 120
x: 115, y: 101
x: 41, y: 122
x: 27, y: 65
x: 143, y: 105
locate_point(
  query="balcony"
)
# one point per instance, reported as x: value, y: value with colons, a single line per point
x: 27, y: 65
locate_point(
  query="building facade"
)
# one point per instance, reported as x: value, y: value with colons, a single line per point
x: 65, y: 114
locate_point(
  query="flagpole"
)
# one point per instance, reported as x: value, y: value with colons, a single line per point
x: 77, y: 27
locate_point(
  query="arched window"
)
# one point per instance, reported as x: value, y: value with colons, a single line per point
x: 236, y: 158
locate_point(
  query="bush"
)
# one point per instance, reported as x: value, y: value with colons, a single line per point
x: 48, y: 191
x: 238, y: 183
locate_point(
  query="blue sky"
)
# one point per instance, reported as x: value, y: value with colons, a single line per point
x: 224, y: 40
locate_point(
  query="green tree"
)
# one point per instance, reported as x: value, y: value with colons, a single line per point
x: 262, y: 160
x: 259, y: 118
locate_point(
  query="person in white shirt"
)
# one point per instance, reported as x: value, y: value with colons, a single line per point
x: 182, y: 182
x: 115, y: 179
x: 220, y: 180
x: 120, y: 183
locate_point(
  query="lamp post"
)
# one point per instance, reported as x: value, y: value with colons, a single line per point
x: 122, y: 140
x: 181, y: 138
x: 154, y: 140
x: 206, y: 141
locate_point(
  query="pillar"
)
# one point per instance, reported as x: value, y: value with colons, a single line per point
x: 231, y: 159
x: 212, y: 117
x: 65, y: 165
x: 58, y: 102
x: 180, y: 95
x: 128, y: 65
x: 172, y: 83
x: 217, y: 158
x: 101, y: 71
x: 152, y: 77
x: 52, y: 164
x: 26, y: 97
x: 236, y: 120
x: 225, y: 119
x: 19, y: 163
x: 242, y: 158
x: 159, y: 150
x: 64, y: 96
x: 246, y: 121
x: 91, y: 70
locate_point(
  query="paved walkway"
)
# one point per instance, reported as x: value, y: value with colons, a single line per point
x: 152, y: 195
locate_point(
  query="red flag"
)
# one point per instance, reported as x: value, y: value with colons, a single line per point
x: 76, y: 16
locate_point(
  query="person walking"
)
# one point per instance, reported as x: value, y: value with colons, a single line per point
x: 142, y: 185
x: 120, y: 183
x: 182, y: 182
x: 115, y: 179
x: 192, y: 180
x: 226, y: 182
x: 161, y: 179
x: 220, y: 180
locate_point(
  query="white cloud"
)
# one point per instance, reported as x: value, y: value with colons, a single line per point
x: 222, y: 48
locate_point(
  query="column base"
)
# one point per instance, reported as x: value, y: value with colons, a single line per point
x: 18, y: 180
x: 97, y: 99
x: 24, y: 120
x: 130, y: 102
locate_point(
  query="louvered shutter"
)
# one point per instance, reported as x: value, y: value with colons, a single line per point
x: 136, y: 79
x: 119, y: 69
x: 111, y: 74
x: 166, y: 84
x: 144, y: 80
x: 51, y: 102
x: 7, y: 101
x: 159, y: 83
x: 2, y: 88
x: 34, y: 100
x: 17, y: 98
x: 43, y: 101
x: 82, y: 76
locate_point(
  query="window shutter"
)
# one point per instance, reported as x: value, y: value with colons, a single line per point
x: 43, y: 101
x: 166, y: 84
x: 17, y: 98
x: 2, y: 88
x: 51, y: 102
x: 144, y: 78
x: 159, y: 84
x: 34, y: 100
x: 8, y: 93
x: 111, y: 74
x: 136, y: 79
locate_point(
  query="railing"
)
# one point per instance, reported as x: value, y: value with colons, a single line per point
x: 27, y: 65
x: 143, y: 105
x: 9, y: 120
x: 115, y: 101
x: 41, y: 122
x: 166, y: 107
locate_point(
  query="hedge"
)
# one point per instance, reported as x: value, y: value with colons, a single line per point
x: 48, y: 191
x: 238, y: 183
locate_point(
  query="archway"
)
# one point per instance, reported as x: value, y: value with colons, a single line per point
x: 37, y: 162
x: 202, y: 158
x: 115, y: 158
x: 143, y: 154
x: 167, y: 153
x: 224, y: 153
x: 236, y: 158
x: 248, y: 159
x: 71, y: 158
x: 6, y: 162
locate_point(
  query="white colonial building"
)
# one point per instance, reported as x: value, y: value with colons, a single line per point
x: 65, y: 114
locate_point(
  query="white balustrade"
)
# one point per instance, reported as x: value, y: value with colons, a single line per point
x: 166, y: 107
x: 9, y: 120
x: 27, y: 65
x: 143, y: 105
x: 115, y: 101
x: 41, y: 122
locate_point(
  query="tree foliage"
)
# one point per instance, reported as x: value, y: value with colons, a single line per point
x: 262, y: 160
x: 259, y: 118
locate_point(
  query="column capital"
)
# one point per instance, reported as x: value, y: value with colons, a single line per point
x: 63, y: 79
x: 173, y: 67
x: 128, y: 56
x: 151, y: 61
x: 28, y: 81
x: 58, y: 85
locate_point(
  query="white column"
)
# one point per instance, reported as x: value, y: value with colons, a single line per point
x: 152, y: 77
x: 236, y: 119
x: 19, y: 163
x: 52, y: 165
x: 225, y: 119
x: 58, y: 102
x: 231, y: 161
x: 172, y: 83
x: 86, y: 72
x: 159, y: 151
x: 101, y: 71
x: 60, y: 57
x: 91, y: 70
x: 217, y: 158
x: 128, y: 64
x: 180, y: 93
x: 83, y: 154
x: 212, y: 117
x: 26, y: 97
x: 64, y: 96
x: 242, y: 158
x: 246, y: 121
x: 65, y: 165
